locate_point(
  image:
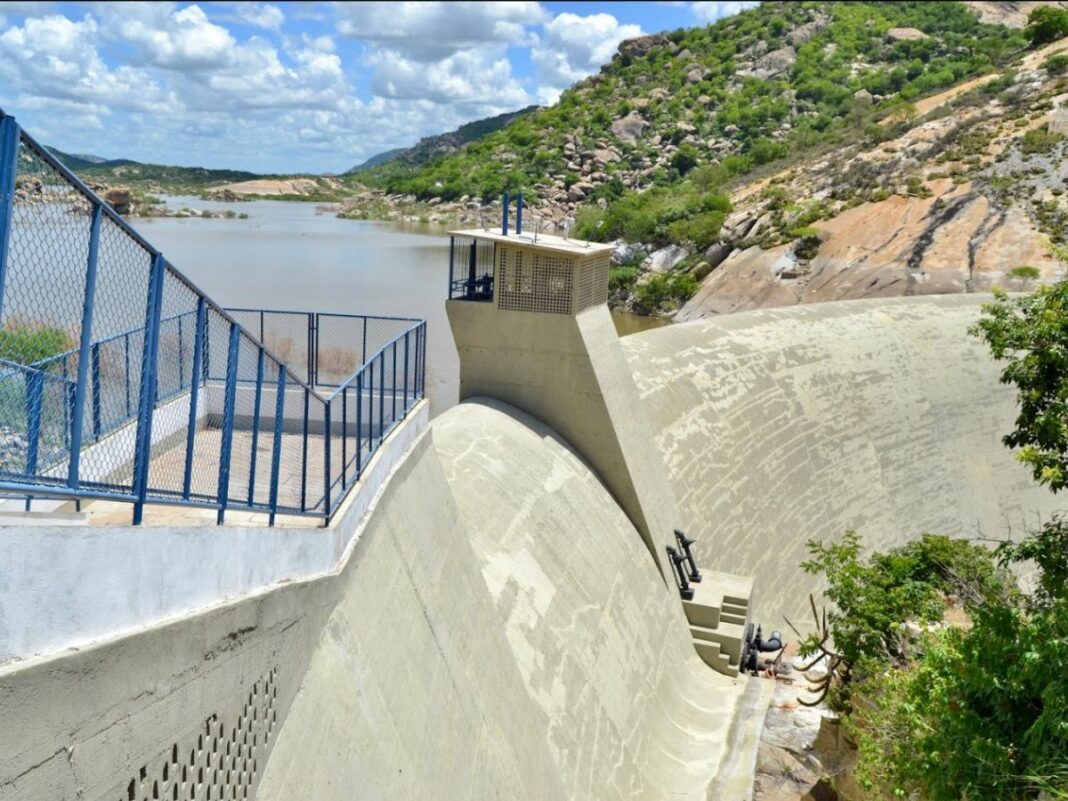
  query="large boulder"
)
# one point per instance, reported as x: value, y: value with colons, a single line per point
x: 776, y: 63
x: 119, y: 199
x: 665, y: 259
x: 629, y: 129
x: 641, y: 45
x: 905, y: 34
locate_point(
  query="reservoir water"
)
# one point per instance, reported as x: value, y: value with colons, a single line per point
x: 299, y: 256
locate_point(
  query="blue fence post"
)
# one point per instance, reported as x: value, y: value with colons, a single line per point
x: 406, y: 371
x: 505, y: 202
x: 344, y: 435
x: 393, y: 386
x: 363, y: 353
x: 371, y: 410
x: 78, y: 412
x: 226, y: 447
x: 452, y: 258
x: 308, y: 353
x: 326, y: 460
x: 422, y: 361
x: 314, y: 352
x: 34, y: 392
x: 194, y: 395
x: 143, y: 452
x: 255, y: 427
x: 304, y: 456
x: 9, y: 155
x: 126, y: 351
x: 94, y: 361
x: 359, y: 423
x: 181, y: 355
x: 276, y: 446
x: 519, y: 214
x: 381, y: 395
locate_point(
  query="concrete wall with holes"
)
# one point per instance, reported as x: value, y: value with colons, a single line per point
x: 782, y: 425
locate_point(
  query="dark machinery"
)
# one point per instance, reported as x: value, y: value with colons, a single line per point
x: 755, y: 644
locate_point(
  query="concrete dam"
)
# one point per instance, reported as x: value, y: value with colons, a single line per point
x: 489, y: 604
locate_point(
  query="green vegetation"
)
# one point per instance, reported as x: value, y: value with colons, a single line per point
x: 1040, y: 140
x: 663, y: 292
x: 27, y: 344
x: 1046, y: 24
x: 1056, y: 65
x: 1024, y: 273
x: 1032, y: 333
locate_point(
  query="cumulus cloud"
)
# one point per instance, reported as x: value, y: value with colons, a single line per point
x: 573, y: 47
x: 431, y: 31
x: 709, y: 12
x: 259, y: 15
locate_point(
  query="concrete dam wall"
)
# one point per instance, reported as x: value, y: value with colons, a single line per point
x: 783, y: 425
x: 497, y: 630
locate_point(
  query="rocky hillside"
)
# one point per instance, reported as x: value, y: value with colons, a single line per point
x: 794, y: 152
x: 430, y: 147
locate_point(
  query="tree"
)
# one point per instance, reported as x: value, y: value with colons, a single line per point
x: 1031, y: 332
x: 1046, y: 24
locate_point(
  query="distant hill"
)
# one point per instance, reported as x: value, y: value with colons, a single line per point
x: 83, y: 161
x: 431, y: 147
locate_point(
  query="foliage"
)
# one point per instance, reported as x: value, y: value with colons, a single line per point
x: 664, y: 292
x: 1057, y: 65
x: 982, y: 712
x: 809, y: 241
x: 873, y: 597
x: 1039, y: 140
x: 1046, y: 24
x: 621, y: 279
x: 26, y: 344
x: 1024, y: 272
x: 1031, y: 333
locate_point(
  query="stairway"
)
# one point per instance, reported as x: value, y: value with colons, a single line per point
x: 718, y: 615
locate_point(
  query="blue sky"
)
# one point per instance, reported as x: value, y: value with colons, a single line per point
x: 297, y: 87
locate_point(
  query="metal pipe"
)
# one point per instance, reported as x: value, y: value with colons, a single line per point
x: 194, y: 395
x: 685, y: 590
x: 519, y: 214
x: 505, y: 202
x: 146, y: 404
x: 225, y: 450
x: 255, y: 427
x: 9, y: 154
x: 276, y: 446
x: 685, y: 543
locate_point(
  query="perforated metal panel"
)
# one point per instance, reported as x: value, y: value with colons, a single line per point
x: 591, y: 286
x: 534, y: 282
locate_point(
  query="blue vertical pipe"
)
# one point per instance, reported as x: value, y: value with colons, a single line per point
x: 393, y: 386
x: 519, y: 214
x: 255, y: 427
x: 304, y: 455
x: 314, y: 364
x: 9, y: 155
x: 78, y: 412
x: 95, y: 369
x: 505, y: 203
x: 143, y: 447
x: 363, y: 353
x: 34, y: 391
x: 226, y: 448
x: 276, y: 446
x: 194, y: 395
x: 181, y: 355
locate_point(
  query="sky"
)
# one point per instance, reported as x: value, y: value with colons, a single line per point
x: 297, y: 87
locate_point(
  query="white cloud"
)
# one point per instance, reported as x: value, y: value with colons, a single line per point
x: 573, y: 47
x: 431, y: 31
x: 263, y: 15
x: 179, y: 39
x: 56, y: 58
x: 475, y: 76
x: 709, y: 12
x: 25, y: 8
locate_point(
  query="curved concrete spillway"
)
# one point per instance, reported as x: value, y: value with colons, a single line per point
x: 783, y: 425
x: 502, y: 632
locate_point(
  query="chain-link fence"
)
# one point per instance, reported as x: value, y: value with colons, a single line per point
x: 120, y: 379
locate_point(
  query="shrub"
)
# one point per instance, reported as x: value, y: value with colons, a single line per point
x: 1039, y: 140
x: 1024, y: 273
x: 26, y: 345
x: 809, y: 241
x: 664, y: 291
x: 1055, y: 65
x: 1046, y: 24
x: 685, y: 159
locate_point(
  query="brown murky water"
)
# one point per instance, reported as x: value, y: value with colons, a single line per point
x: 298, y: 256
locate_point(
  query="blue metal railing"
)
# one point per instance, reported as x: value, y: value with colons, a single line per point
x: 120, y: 379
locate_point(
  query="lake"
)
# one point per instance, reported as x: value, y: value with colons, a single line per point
x: 292, y: 255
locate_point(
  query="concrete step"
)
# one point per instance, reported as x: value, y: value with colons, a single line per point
x: 713, y: 656
x: 736, y: 620
x: 730, y: 636
x: 735, y: 609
